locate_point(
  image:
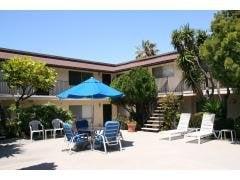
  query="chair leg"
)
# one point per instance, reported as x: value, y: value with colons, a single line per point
x: 121, y: 135
x: 120, y: 145
x: 199, y: 140
x: 105, y: 148
x: 43, y: 134
x: 69, y: 147
x: 92, y: 144
x: 31, y: 136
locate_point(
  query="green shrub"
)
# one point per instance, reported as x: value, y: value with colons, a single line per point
x: 13, y: 128
x: 122, y: 120
x: 213, y: 106
x: 196, y: 120
x: 171, y: 110
x: 44, y: 113
x: 222, y: 123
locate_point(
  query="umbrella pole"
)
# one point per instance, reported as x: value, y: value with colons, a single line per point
x: 92, y: 112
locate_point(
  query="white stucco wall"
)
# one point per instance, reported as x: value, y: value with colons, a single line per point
x: 172, y: 81
x: 234, y: 106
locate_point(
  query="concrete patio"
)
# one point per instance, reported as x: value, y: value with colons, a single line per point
x: 142, y: 150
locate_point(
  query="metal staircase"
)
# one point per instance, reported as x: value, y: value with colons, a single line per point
x: 155, y: 121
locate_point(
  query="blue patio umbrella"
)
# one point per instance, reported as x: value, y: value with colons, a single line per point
x: 91, y: 88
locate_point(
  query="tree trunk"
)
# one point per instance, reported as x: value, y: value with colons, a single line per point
x: 218, y: 91
x: 140, y: 114
x: 17, y: 104
x: 207, y: 74
x: 225, y: 103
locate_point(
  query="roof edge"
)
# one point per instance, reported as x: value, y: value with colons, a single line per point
x: 42, y: 55
x: 148, y: 58
x: 29, y: 53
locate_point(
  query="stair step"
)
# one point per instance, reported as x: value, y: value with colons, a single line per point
x: 154, y: 121
x: 150, y: 129
x: 156, y: 114
x: 158, y: 110
x: 153, y: 125
x: 156, y: 117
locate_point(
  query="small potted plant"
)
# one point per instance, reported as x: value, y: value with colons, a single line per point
x: 131, y: 125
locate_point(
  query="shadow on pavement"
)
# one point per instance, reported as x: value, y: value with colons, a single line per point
x: 127, y: 143
x: 42, y: 166
x: 9, y: 148
x: 173, y: 138
x: 195, y: 141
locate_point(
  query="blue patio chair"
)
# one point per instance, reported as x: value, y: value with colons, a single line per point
x: 82, y: 124
x: 120, y: 125
x: 73, y: 138
x: 110, y: 136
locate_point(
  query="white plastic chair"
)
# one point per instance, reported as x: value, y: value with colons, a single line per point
x: 182, y: 127
x: 34, y: 128
x: 206, y: 128
x: 56, y: 123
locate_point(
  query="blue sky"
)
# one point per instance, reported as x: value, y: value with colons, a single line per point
x: 105, y: 36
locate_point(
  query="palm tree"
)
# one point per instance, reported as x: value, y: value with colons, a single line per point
x: 147, y: 49
x: 187, y: 42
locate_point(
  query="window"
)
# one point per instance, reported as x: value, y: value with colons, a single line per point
x: 106, y: 79
x: 81, y: 112
x: 86, y: 76
x: 163, y: 71
x: 76, y: 77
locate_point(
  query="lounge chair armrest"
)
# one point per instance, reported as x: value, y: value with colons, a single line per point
x: 99, y: 131
x: 193, y: 129
x: 83, y: 135
x: 101, y: 137
x: 42, y: 126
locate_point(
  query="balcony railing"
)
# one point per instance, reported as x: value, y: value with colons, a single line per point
x: 167, y: 87
x: 181, y: 86
x: 59, y: 87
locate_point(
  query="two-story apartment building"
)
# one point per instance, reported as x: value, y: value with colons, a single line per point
x: 73, y: 71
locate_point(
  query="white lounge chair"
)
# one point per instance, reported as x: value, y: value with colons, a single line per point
x: 34, y: 128
x: 206, y: 128
x: 182, y: 127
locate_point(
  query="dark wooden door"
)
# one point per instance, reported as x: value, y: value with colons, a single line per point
x: 107, y: 112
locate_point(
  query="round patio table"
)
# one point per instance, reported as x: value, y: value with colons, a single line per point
x: 93, y: 131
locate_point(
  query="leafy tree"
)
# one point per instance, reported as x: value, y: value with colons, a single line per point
x: 187, y: 42
x: 26, y: 76
x: 222, y: 50
x: 140, y: 91
x: 147, y: 49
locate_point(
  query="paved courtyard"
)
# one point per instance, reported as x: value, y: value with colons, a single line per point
x: 142, y: 150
